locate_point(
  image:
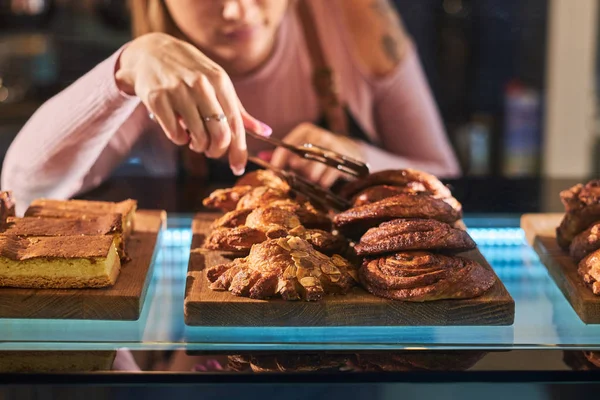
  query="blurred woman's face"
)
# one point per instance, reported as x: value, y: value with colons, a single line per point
x: 238, y: 34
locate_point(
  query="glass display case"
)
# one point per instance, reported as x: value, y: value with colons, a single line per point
x: 547, y: 343
x: 543, y: 317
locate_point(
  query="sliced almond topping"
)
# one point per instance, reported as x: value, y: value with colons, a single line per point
x: 290, y: 272
x: 308, y: 281
x: 330, y: 269
x: 299, y: 254
x: 339, y: 261
x: 283, y: 243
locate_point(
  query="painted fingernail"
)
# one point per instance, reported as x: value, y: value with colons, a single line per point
x: 238, y: 171
x: 266, y: 129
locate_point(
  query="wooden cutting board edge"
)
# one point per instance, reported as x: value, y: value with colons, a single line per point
x: 540, y: 231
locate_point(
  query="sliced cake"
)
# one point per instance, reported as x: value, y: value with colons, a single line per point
x: 109, y: 224
x: 59, y: 262
x: 85, y: 209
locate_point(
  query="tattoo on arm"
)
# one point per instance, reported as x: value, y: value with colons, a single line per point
x: 390, y: 47
x: 390, y: 41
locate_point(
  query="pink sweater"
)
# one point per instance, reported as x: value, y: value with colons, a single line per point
x: 76, y: 139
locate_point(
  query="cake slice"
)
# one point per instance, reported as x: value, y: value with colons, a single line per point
x: 84, y: 209
x: 109, y: 224
x: 58, y: 262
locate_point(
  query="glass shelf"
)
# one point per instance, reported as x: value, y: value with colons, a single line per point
x: 544, y: 319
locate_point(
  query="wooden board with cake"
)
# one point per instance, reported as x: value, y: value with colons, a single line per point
x: 76, y: 259
x: 399, y: 256
x: 568, y: 244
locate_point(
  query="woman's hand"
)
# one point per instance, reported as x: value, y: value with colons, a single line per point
x: 185, y: 91
x: 316, y: 172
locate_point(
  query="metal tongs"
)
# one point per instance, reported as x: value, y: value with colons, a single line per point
x: 314, y: 153
x: 328, y: 157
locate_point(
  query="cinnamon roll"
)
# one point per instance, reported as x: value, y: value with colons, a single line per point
x: 423, y: 276
x: 413, y: 234
x: 356, y: 221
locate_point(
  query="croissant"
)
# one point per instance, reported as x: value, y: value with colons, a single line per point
x: 413, y: 234
x: 589, y: 270
x: 585, y: 243
x: 231, y: 219
x: 356, y: 221
x: 582, y: 206
x: 226, y: 199
x: 423, y: 276
x: 289, y: 267
x: 417, y: 181
x: 263, y: 177
x: 268, y: 223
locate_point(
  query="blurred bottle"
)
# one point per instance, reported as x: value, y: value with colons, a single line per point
x: 473, y: 145
x: 522, y: 131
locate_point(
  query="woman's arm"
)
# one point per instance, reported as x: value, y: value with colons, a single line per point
x: 407, y: 120
x: 409, y: 125
x: 74, y: 140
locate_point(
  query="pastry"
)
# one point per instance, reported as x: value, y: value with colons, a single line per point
x: 84, y: 209
x: 376, y: 193
x: 288, y: 267
x: 58, y: 262
x: 109, y: 224
x: 417, y: 181
x: 231, y: 219
x: 270, y: 223
x: 582, y: 207
x: 7, y: 206
x: 226, y: 199
x: 356, y: 221
x: 309, y: 216
x: 423, y: 276
x: 586, y: 242
x: 413, y: 234
x: 261, y: 196
x: 306, y: 213
x: 589, y: 270
x: 263, y: 177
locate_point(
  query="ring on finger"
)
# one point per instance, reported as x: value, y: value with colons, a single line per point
x: 217, y: 117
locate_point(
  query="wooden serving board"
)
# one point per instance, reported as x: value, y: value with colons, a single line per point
x: 122, y: 301
x: 205, y: 307
x: 540, y: 231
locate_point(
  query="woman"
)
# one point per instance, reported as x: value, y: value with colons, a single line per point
x: 201, y: 71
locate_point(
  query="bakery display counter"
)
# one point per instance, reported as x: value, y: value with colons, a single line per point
x: 543, y: 317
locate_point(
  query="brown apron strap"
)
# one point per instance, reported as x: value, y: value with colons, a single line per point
x: 324, y: 77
